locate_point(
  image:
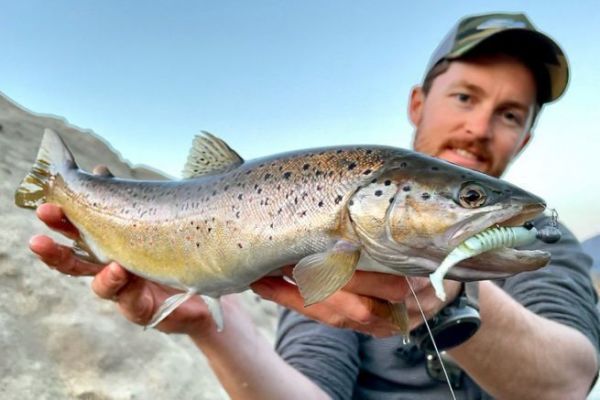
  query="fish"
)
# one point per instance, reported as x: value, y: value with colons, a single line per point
x: 328, y: 211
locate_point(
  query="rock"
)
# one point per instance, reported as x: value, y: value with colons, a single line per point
x: 57, y: 339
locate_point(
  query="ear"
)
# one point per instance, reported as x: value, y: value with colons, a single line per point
x: 415, y: 105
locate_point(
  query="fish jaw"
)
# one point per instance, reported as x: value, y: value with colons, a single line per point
x: 511, y: 215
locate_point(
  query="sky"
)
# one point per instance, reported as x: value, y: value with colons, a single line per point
x: 272, y: 76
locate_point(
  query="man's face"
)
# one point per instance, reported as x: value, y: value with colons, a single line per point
x: 477, y: 113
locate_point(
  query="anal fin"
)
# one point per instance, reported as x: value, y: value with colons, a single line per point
x: 214, y: 307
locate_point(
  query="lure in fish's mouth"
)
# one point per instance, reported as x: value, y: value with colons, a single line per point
x: 498, y: 241
x: 510, y: 216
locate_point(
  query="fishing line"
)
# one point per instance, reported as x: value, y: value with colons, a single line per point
x: 432, y: 338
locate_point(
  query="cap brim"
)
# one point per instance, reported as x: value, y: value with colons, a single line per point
x: 527, y: 43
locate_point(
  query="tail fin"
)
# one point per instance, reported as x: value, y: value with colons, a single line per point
x: 52, y: 158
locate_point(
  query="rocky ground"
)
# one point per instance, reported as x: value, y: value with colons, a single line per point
x: 57, y: 340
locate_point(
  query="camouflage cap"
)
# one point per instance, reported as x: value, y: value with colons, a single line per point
x: 512, y: 34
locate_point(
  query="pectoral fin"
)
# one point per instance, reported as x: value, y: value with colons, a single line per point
x: 169, y: 306
x: 319, y: 275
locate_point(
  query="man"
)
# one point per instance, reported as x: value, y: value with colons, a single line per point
x: 539, y: 333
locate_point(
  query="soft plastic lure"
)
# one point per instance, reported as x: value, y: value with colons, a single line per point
x: 490, y: 239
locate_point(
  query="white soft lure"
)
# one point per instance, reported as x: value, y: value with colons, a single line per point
x: 489, y: 239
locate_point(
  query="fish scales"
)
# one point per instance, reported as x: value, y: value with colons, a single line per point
x: 206, y: 229
x: 329, y: 211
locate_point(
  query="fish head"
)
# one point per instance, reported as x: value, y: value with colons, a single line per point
x: 420, y: 208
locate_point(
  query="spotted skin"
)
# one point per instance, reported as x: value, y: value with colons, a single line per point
x: 217, y: 233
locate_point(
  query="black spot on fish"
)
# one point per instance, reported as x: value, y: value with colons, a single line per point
x: 406, y: 188
x: 435, y: 168
x: 306, y: 166
x: 330, y: 174
x: 351, y: 166
x: 240, y: 196
x: 320, y: 204
x: 261, y: 165
x: 280, y: 211
x: 303, y: 214
x: 387, y: 182
x: 295, y: 200
x: 209, y: 229
x: 214, y: 192
x: 256, y: 186
x: 369, y: 151
x: 367, y: 171
x: 392, y: 200
x: 287, y: 175
x: 248, y: 172
x: 237, y: 214
x: 240, y: 246
x: 425, y: 196
x: 270, y: 237
x: 197, y: 227
x: 267, y: 176
x: 278, y: 187
x: 318, y: 173
x: 271, y: 225
x: 378, y: 193
x: 338, y: 199
x: 403, y: 165
x: 351, y: 202
x: 259, y: 191
x: 339, y: 151
x: 226, y: 187
x: 197, y: 244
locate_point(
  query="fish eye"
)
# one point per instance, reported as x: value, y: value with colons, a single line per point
x: 472, y: 196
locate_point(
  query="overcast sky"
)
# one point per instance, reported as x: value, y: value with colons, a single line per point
x: 271, y: 76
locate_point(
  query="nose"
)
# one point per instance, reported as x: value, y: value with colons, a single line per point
x: 479, y: 123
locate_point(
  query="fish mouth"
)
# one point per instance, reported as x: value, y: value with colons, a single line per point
x: 500, y: 262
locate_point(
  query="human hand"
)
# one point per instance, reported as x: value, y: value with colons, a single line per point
x: 362, y: 304
x: 137, y: 298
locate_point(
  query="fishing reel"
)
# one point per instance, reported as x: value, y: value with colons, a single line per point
x: 453, y: 325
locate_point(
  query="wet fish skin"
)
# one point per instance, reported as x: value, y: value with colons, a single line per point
x: 232, y: 222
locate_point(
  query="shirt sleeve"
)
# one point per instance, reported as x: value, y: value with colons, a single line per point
x: 328, y: 356
x: 562, y: 291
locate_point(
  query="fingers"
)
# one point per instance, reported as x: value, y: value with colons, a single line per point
x: 341, y: 310
x: 383, y: 286
x: 136, y: 301
x: 61, y: 257
x: 109, y: 281
x: 53, y: 216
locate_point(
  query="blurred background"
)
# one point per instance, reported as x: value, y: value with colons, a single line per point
x: 270, y: 76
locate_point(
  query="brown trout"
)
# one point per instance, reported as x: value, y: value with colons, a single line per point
x: 330, y: 211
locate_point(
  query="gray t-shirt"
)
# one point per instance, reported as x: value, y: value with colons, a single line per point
x: 350, y: 365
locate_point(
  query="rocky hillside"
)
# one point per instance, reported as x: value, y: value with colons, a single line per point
x: 57, y: 340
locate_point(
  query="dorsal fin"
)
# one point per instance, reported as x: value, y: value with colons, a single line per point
x: 210, y: 155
